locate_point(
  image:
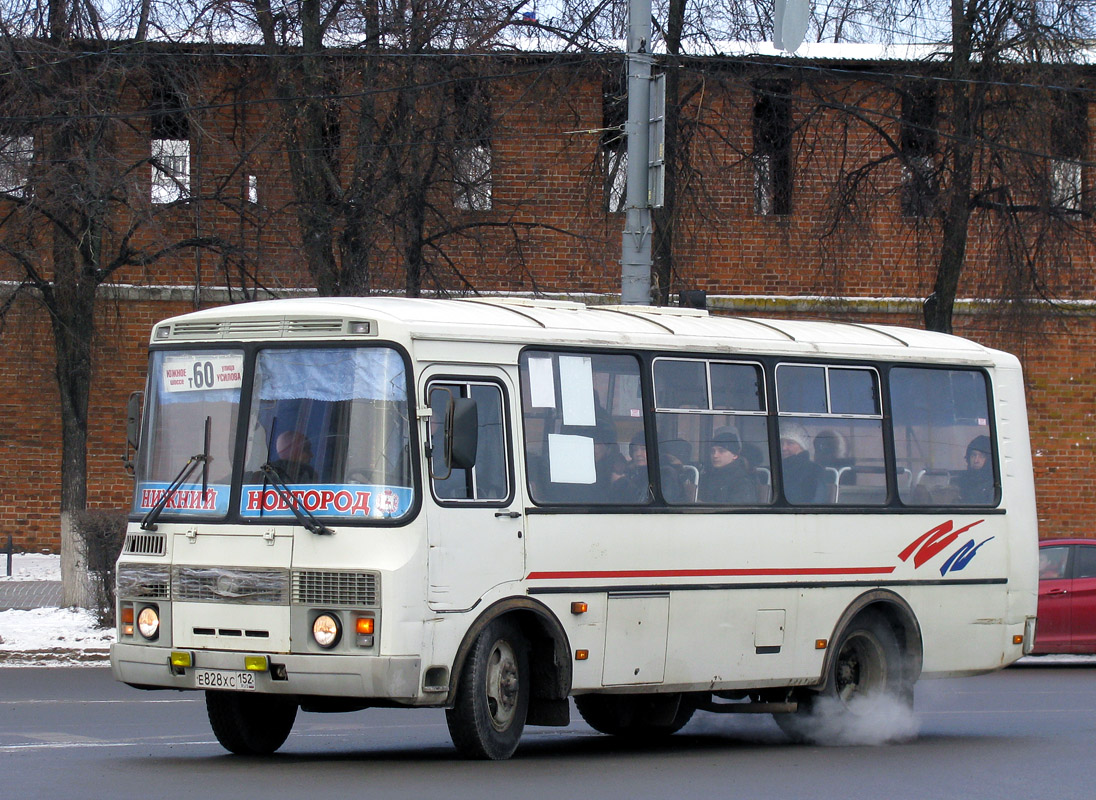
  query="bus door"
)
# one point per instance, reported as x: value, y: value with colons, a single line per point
x: 476, y: 526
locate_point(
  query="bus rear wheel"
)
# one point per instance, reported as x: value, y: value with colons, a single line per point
x: 492, y: 695
x: 250, y: 724
x: 635, y: 716
x: 867, y: 665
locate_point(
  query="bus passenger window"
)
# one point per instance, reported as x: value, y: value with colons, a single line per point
x: 942, y: 437
x: 585, y: 440
x: 712, y: 432
x: 831, y: 435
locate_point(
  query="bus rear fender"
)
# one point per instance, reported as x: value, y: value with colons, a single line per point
x: 549, y: 657
x: 901, y: 619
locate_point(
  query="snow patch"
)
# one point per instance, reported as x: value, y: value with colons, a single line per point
x: 31, y: 567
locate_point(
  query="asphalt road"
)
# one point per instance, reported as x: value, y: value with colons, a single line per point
x: 1026, y: 732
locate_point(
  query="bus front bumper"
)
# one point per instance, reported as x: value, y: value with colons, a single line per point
x: 392, y: 678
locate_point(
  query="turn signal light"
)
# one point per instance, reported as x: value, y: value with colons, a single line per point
x: 579, y: 607
x: 582, y: 655
x: 821, y: 644
x: 1018, y: 638
x: 363, y: 626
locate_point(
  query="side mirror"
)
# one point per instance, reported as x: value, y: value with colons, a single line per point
x: 133, y: 429
x: 462, y: 433
x: 454, y: 442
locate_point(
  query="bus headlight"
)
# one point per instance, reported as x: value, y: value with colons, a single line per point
x: 148, y: 622
x: 326, y: 630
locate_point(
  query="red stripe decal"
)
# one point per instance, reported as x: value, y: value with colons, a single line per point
x: 707, y: 573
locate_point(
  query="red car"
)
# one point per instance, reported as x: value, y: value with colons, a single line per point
x: 1067, y: 597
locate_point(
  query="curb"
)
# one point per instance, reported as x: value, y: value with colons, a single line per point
x: 54, y: 656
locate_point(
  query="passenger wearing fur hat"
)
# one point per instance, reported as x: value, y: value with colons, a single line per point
x: 729, y: 480
x: 804, y: 481
x: 976, y: 483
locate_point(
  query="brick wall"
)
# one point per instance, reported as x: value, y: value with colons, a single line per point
x: 546, y: 173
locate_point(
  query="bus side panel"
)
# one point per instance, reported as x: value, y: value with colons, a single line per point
x: 1018, y: 491
x: 750, y: 595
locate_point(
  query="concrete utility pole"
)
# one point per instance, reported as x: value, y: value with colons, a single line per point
x: 635, y: 262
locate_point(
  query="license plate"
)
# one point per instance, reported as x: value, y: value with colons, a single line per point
x: 233, y: 680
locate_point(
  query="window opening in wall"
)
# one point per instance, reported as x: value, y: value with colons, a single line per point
x: 772, y: 158
x: 170, y: 149
x: 1069, y: 141
x: 16, y: 157
x: 919, y: 143
x: 472, y: 155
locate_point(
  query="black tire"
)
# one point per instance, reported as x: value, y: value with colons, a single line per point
x: 867, y: 663
x: 492, y: 695
x: 634, y: 717
x: 250, y: 724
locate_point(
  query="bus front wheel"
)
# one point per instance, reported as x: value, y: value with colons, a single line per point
x: 250, y: 724
x: 492, y: 695
x: 866, y: 668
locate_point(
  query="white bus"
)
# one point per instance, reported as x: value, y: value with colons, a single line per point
x: 494, y: 505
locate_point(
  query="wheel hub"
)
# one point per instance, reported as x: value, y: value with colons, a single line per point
x: 503, y: 684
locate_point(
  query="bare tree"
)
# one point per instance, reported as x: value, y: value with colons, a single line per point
x: 388, y: 134
x: 76, y: 211
x: 988, y: 128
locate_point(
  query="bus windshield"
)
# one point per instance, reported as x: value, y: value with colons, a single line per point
x: 188, y: 390
x: 328, y: 427
x: 330, y: 424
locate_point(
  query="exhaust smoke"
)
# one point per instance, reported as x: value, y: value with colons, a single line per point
x: 864, y: 720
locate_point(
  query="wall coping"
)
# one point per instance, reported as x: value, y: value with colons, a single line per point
x: 745, y: 303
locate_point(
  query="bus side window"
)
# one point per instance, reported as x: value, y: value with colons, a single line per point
x: 713, y: 440
x: 942, y: 436
x: 585, y: 437
x: 488, y: 479
x: 831, y: 435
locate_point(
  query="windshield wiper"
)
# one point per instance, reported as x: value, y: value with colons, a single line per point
x: 148, y: 523
x: 308, y: 521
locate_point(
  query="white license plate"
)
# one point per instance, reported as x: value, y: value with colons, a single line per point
x: 233, y: 680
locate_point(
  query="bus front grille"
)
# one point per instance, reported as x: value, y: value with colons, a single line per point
x: 249, y: 586
x: 335, y: 588
x: 145, y: 544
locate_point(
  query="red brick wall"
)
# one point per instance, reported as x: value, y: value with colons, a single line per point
x: 546, y: 171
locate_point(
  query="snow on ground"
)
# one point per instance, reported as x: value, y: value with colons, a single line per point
x: 48, y: 636
x: 31, y: 567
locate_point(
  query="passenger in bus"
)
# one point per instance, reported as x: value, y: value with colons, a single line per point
x: 730, y: 480
x: 637, y: 486
x: 804, y: 481
x: 610, y: 466
x: 294, y: 462
x: 975, y: 484
x: 830, y: 450
x: 677, y: 475
x: 753, y: 457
